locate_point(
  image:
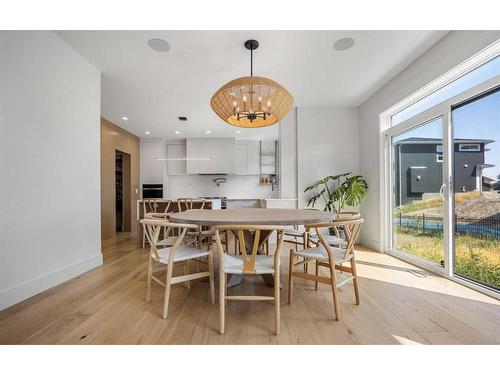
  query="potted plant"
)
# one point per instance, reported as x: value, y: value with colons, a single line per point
x: 338, y: 191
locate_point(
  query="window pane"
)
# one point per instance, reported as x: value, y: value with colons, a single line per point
x: 418, y: 207
x: 481, y: 74
x: 476, y: 128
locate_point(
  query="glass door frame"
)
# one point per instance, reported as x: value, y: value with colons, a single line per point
x: 443, y: 110
x: 415, y: 122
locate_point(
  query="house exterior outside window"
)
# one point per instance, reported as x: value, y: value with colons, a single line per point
x: 418, y: 169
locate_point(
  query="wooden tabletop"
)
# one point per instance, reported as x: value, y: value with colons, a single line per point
x: 263, y: 216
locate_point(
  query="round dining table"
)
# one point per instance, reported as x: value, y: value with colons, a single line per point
x: 252, y: 216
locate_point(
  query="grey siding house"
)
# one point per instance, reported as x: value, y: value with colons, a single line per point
x: 418, y: 167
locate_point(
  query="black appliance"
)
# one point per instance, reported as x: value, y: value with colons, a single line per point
x: 152, y: 191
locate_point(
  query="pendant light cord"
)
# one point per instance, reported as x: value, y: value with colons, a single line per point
x: 251, y: 63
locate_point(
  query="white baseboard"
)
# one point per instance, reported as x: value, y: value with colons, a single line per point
x: 371, y: 244
x: 18, y: 293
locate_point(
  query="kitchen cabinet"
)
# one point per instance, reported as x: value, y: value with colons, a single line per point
x: 176, y: 167
x: 241, y: 159
x: 151, y: 168
x: 211, y: 155
x: 247, y: 158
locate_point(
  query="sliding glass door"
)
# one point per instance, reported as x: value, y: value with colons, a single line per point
x: 476, y: 174
x: 417, y: 176
x: 442, y: 182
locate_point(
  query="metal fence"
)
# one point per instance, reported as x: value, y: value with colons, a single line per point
x: 484, y: 228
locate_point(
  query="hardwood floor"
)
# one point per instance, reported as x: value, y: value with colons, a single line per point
x: 400, y: 304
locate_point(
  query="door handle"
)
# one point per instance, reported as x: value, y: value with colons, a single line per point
x: 441, y: 192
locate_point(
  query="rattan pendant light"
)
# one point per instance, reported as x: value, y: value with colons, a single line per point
x: 251, y: 102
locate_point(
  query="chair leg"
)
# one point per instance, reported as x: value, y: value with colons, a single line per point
x: 143, y: 239
x: 334, y: 291
x: 306, y: 265
x: 199, y: 244
x: 277, y: 302
x: 211, y: 277
x: 317, y: 274
x: 290, y: 277
x: 355, y: 280
x: 222, y: 301
x: 186, y: 271
x: 167, y: 290
x: 149, y: 279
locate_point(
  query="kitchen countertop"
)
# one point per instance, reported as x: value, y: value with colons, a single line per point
x: 244, y: 199
x: 232, y: 199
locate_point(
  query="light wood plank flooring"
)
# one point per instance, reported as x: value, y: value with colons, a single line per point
x: 400, y: 304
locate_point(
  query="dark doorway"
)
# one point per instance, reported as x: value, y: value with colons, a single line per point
x: 122, y: 192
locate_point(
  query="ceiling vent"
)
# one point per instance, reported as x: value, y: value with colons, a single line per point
x: 182, y: 118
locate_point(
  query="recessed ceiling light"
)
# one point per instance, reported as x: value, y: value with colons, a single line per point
x: 124, y: 118
x: 343, y: 44
x: 182, y: 118
x: 147, y: 132
x: 159, y: 45
x: 238, y: 131
x: 208, y: 132
x: 177, y: 132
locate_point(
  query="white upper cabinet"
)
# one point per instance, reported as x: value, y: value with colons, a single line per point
x: 220, y: 152
x: 241, y: 159
x: 247, y: 158
x: 176, y: 167
x: 253, y: 152
x: 151, y: 169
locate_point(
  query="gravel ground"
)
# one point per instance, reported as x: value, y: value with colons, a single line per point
x: 487, y: 205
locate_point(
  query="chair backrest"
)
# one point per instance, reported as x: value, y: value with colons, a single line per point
x: 343, y: 216
x: 185, y: 204
x: 153, y: 229
x: 251, y: 238
x: 148, y: 206
x: 351, y: 229
x: 167, y: 207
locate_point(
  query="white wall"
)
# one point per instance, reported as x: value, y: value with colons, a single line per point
x: 327, y: 144
x: 50, y: 173
x: 453, y: 49
x: 236, y: 187
x: 288, y: 155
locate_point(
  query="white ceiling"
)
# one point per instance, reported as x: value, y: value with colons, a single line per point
x: 152, y: 89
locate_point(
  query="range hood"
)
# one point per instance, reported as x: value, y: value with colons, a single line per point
x: 211, y: 174
x: 221, y: 153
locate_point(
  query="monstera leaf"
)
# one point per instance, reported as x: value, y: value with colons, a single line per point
x: 337, y: 191
x: 355, y: 189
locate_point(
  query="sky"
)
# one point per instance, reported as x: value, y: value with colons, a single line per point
x: 477, y: 119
